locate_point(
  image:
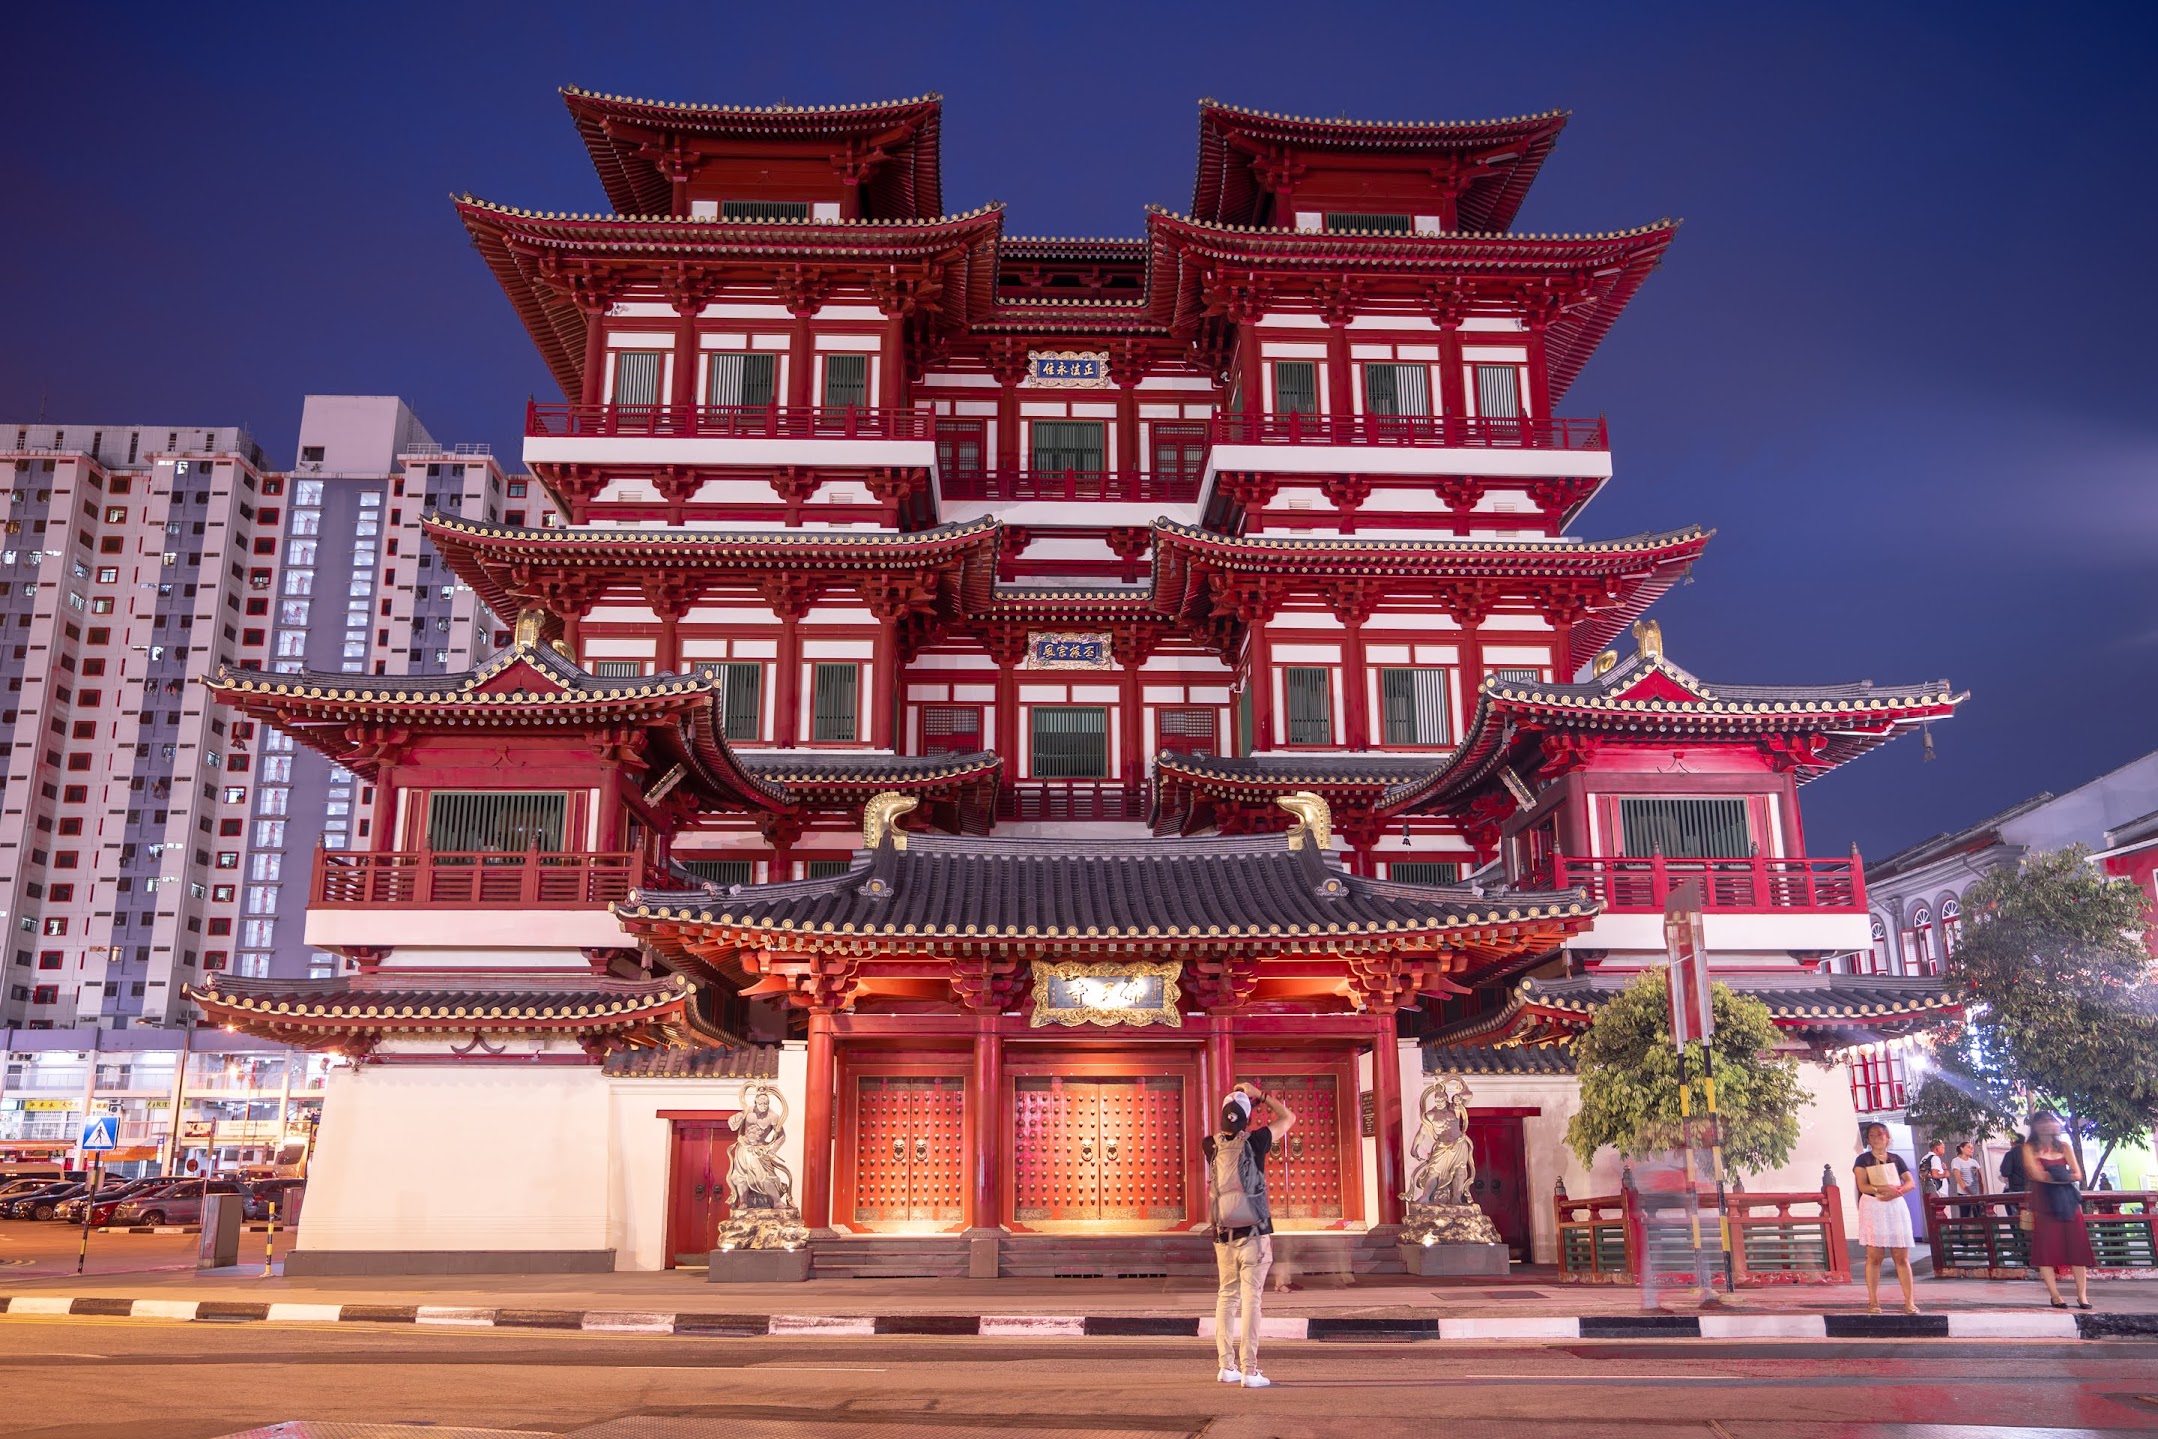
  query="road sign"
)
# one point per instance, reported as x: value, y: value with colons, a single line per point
x: 101, y: 1133
x: 1692, y: 1016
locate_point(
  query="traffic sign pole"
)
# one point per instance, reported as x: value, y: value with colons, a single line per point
x: 89, y: 1209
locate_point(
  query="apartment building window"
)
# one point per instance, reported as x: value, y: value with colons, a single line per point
x: 1186, y: 729
x: 741, y: 702
x: 1070, y: 741
x: 835, y: 703
x: 49, y: 959
x: 744, y: 380
x: 1498, y: 392
x: 1685, y: 828
x: 636, y: 376
x: 1309, y: 692
x: 951, y: 729
x: 1412, y: 701
x: 1060, y: 445
x: 1397, y: 390
x: 45, y: 994
x: 846, y: 380
x: 1296, y: 387
x: 270, y: 833
x: 1421, y: 871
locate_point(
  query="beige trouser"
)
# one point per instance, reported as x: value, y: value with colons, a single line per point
x: 1242, y: 1267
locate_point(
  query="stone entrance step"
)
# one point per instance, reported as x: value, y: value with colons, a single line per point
x: 1297, y: 1257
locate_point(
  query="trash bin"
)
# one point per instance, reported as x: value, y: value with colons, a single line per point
x: 220, y: 1246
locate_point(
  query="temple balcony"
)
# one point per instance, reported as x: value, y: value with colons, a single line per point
x: 1056, y: 800
x: 1042, y: 497
x: 1408, y: 445
x: 719, y: 436
x: 439, y: 897
x: 1761, y: 904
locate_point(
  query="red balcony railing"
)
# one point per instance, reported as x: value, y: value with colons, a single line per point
x: 440, y: 879
x: 1642, y: 885
x: 1457, y: 432
x: 1068, y: 799
x: 1133, y: 485
x: 1789, y: 1238
x: 729, y: 422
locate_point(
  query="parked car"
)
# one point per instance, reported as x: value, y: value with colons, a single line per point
x: 16, y: 1188
x: 286, y: 1193
x: 41, y: 1203
x: 181, y: 1204
x: 111, y: 1197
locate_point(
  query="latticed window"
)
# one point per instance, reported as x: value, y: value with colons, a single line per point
x: 951, y: 729
x: 827, y: 868
x: 846, y: 380
x: 464, y: 820
x: 1060, y: 445
x: 1368, y: 220
x: 617, y: 669
x: 1685, y: 828
x: 835, y: 703
x: 1179, y: 450
x: 1070, y: 741
x: 1296, y: 387
x: 720, y: 871
x: 636, y: 377
x: 768, y: 210
x: 1498, y: 392
x: 745, y: 380
x: 742, y: 700
x: 1187, y: 729
x: 1397, y: 390
x: 959, y: 449
x: 1309, y: 690
x: 1413, y: 701
x: 1423, y: 871
x: 1522, y: 674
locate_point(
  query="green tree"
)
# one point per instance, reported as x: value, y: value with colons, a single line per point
x: 1629, y: 1079
x: 1963, y: 1097
x: 2063, y: 1002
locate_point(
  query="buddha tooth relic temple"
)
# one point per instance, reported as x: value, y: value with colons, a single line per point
x: 989, y: 693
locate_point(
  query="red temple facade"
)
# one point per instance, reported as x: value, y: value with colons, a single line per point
x: 1001, y: 690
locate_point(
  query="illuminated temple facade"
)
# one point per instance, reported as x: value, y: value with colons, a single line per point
x: 1000, y: 690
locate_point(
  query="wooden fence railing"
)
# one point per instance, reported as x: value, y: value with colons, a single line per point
x: 1776, y: 1238
x: 1979, y: 1236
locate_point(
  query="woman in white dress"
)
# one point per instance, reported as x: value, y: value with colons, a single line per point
x: 1884, y: 1221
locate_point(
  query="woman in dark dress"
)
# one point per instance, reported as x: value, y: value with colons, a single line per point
x: 2059, y: 1239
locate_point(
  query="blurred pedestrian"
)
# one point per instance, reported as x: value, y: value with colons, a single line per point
x: 1933, y: 1169
x: 2054, y: 1212
x: 1965, y: 1177
x: 2012, y: 1180
x: 1884, y: 1220
x: 1243, y: 1227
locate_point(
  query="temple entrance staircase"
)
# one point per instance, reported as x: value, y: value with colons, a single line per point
x: 1330, y: 1257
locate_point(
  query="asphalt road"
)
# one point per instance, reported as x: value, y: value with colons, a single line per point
x: 98, y: 1379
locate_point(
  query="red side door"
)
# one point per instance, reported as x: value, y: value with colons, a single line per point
x: 697, y: 1188
x: 1502, y: 1178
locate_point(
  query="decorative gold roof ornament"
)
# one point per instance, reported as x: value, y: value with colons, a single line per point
x: 1603, y: 663
x: 1313, y: 819
x: 1649, y: 636
x: 561, y: 647
x: 530, y: 623
x: 880, y: 815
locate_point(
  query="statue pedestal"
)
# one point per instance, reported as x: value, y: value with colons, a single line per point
x: 1436, y: 1259
x: 1451, y: 1239
x: 758, y: 1266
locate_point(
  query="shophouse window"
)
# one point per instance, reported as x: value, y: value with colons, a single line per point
x: 741, y: 700
x: 1423, y: 871
x: 1185, y: 729
x: 636, y: 376
x: 1498, y: 392
x: 951, y: 729
x: 1951, y: 926
x: 846, y: 381
x: 720, y: 871
x: 1397, y: 390
x: 1309, y: 691
x: 1070, y: 741
x: 1685, y: 828
x: 1413, y: 702
x: 1060, y: 445
x: 462, y: 821
x: 835, y: 703
x: 1296, y: 387
x: 741, y: 380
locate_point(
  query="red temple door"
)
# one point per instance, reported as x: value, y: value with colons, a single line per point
x: 1306, y: 1185
x: 910, y: 1148
x: 1099, y: 1150
x: 697, y: 1188
x: 1502, y: 1178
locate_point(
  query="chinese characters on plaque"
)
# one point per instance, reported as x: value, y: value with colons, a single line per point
x: 1068, y: 369
x: 1067, y: 650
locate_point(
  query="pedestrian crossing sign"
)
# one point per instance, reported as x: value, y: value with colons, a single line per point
x: 101, y: 1133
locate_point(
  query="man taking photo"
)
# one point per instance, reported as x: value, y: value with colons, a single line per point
x: 1243, y: 1226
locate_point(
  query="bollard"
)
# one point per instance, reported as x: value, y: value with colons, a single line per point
x: 269, y: 1242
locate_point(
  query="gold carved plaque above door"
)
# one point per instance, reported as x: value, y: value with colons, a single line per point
x: 1135, y: 992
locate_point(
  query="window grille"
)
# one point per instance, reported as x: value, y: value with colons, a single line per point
x: 1365, y: 220
x: 720, y: 871
x: 1179, y: 450
x: 1423, y: 871
x: 951, y: 729
x: 827, y: 868
x: 1310, y: 693
x: 1188, y: 729
x: 742, y: 701
x: 835, y: 703
x: 1524, y: 675
x: 1068, y: 445
x: 769, y: 210
x: 1685, y: 828
x: 1296, y: 387
x: 1397, y: 390
x: 846, y: 381
x: 1070, y: 741
x: 636, y: 377
x: 1414, y: 704
x: 745, y: 380
x: 465, y: 820
x: 617, y: 669
x: 1498, y: 392
x: 959, y: 449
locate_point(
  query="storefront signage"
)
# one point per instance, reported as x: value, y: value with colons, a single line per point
x: 196, y: 1130
x: 1138, y: 992
x: 1069, y: 650
x: 52, y: 1105
x: 1068, y: 369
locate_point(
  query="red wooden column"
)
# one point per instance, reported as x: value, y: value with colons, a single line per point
x: 823, y: 1081
x: 682, y: 394
x: 884, y: 690
x: 988, y: 1122
x: 1386, y: 1100
x: 1008, y: 648
x: 1217, y: 1067
x: 1471, y: 647
x: 595, y: 354
x: 1259, y: 678
x: 1008, y: 366
x: 790, y: 599
x: 1130, y: 651
x: 1352, y: 607
x: 1340, y: 375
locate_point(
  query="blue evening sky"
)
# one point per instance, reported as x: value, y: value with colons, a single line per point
x: 1900, y: 355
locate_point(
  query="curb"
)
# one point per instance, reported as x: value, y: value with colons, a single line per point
x: 178, y: 1229
x: 1986, y: 1324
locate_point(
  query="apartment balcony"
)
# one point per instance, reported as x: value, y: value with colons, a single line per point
x: 1410, y: 445
x: 1055, y: 800
x: 430, y: 899
x: 1111, y: 486
x: 719, y: 436
x: 1760, y: 905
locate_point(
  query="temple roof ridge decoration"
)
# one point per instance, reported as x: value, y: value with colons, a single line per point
x: 706, y: 107
x: 1662, y: 225
x: 466, y: 200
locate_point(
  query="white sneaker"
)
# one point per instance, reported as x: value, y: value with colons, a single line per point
x: 1256, y: 1380
x: 1230, y: 1376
